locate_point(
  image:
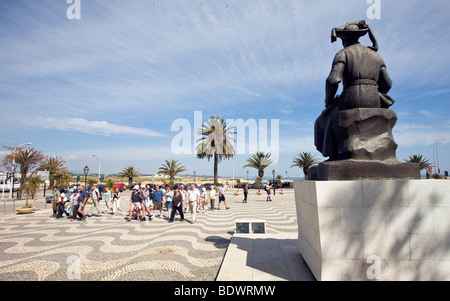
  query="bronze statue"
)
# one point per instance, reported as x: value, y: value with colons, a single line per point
x: 363, y: 74
x: 355, y: 129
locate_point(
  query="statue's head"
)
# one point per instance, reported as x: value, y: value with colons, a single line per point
x: 351, y: 32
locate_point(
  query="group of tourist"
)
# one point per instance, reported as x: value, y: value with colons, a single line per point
x: 142, y: 201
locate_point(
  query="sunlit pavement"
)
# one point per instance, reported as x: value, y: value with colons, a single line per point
x: 37, y: 247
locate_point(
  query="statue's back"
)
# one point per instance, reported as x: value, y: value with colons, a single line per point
x: 360, y: 78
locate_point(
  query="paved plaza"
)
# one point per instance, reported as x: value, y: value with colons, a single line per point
x: 37, y: 247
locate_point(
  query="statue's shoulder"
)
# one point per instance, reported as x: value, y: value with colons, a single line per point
x: 340, y: 57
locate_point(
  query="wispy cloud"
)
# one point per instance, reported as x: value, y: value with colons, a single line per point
x: 420, y: 135
x: 90, y: 127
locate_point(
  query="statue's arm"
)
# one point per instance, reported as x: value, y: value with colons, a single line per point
x: 384, y: 81
x: 333, y: 80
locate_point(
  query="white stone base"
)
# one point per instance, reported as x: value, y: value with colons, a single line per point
x: 375, y: 229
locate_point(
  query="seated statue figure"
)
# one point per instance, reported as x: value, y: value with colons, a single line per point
x: 357, y: 125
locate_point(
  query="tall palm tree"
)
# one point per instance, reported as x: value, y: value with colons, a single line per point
x: 54, y: 165
x: 28, y: 159
x: 216, y: 141
x: 423, y: 162
x: 130, y: 172
x: 305, y: 161
x: 259, y: 161
x: 171, y: 168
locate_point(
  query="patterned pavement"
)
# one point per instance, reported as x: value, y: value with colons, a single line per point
x: 37, y: 247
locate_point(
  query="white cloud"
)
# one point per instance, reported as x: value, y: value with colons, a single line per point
x: 90, y: 127
x: 420, y: 135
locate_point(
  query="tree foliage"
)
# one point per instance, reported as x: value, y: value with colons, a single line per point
x: 216, y: 141
x: 171, y: 168
x: 304, y: 160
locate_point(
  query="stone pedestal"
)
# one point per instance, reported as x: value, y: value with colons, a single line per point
x: 375, y: 229
x: 356, y: 170
x: 365, y: 134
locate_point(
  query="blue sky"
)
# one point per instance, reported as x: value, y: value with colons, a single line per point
x: 113, y: 82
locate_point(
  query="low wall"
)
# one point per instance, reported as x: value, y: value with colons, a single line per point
x: 375, y: 229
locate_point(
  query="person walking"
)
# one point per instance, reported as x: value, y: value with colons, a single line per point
x: 193, y: 196
x: 60, y: 204
x: 169, y: 199
x: 146, y: 202
x: 177, y: 205
x: 158, y: 200
x: 245, y: 189
x: 108, y: 198
x: 212, y: 198
x: 204, y: 200
x: 222, y: 197
x: 267, y: 188
x: 95, y: 205
x: 82, y: 200
x: 183, y: 195
x: 135, y: 202
x: 76, y: 204
x: 55, y: 199
x: 116, y: 201
x: 69, y: 208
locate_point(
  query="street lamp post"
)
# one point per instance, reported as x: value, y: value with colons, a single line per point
x: 98, y: 159
x: 86, y: 171
x: 247, y: 176
x: 437, y: 156
x: 273, y: 183
x: 11, y: 183
x: 194, y: 176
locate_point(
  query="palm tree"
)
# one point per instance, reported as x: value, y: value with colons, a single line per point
x: 305, y: 161
x: 171, y: 168
x: 32, y: 186
x: 258, y: 183
x: 92, y: 181
x: 279, y: 177
x: 54, y: 165
x: 216, y: 142
x: 423, y: 162
x: 259, y: 161
x: 28, y: 159
x: 109, y: 183
x: 130, y: 172
x: 62, y: 179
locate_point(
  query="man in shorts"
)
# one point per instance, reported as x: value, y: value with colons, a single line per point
x: 222, y: 197
x: 135, y: 202
x: 146, y: 203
